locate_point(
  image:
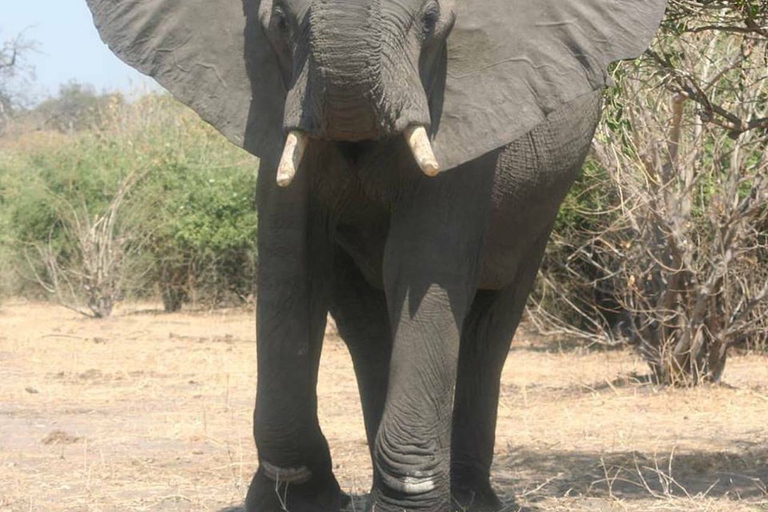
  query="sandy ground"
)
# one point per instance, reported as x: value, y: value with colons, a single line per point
x: 151, y: 412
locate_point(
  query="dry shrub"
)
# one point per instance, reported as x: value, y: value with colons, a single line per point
x: 677, y: 260
x: 88, y: 262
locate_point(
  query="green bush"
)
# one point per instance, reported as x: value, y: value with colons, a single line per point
x: 190, y: 215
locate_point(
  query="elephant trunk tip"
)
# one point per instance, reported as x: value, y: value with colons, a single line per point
x: 421, y: 147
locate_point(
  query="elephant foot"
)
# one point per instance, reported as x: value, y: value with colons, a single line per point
x: 478, y: 496
x: 396, y: 502
x: 319, y: 494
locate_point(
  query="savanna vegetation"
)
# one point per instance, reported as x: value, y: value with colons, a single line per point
x: 104, y: 199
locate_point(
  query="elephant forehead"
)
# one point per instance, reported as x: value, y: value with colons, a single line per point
x: 301, y: 7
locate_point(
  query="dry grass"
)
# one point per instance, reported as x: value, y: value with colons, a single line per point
x: 151, y: 412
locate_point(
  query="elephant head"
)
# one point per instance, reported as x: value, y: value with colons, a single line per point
x: 458, y: 78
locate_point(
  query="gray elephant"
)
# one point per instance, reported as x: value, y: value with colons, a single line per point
x: 414, y: 154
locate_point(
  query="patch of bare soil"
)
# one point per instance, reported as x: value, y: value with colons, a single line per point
x: 152, y: 412
x: 60, y: 437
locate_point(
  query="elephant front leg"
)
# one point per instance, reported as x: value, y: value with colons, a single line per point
x: 430, y: 270
x: 412, y: 447
x: 295, y: 470
x: 485, y: 342
x: 360, y: 312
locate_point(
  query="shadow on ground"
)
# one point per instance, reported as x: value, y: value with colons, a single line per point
x: 533, y: 476
x: 536, y: 476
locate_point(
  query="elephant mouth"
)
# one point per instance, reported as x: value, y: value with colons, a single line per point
x: 297, y: 141
x: 355, y: 152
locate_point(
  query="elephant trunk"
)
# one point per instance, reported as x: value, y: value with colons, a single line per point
x: 345, y: 39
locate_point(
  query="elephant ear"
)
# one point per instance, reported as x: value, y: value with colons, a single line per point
x: 512, y: 62
x: 211, y: 55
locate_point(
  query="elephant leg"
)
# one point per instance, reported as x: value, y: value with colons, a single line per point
x: 295, y: 470
x: 360, y: 312
x: 486, y: 337
x: 430, y: 271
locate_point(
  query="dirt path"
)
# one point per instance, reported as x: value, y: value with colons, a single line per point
x: 152, y: 412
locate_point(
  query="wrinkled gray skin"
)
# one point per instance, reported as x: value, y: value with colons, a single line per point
x: 425, y: 277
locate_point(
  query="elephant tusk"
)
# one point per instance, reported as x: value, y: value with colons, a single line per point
x: 418, y: 141
x: 293, y: 152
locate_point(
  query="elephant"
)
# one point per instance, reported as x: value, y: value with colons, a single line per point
x: 413, y: 157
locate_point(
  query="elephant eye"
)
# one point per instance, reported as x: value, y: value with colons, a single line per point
x: 430, y: 18
x: 280, y: 19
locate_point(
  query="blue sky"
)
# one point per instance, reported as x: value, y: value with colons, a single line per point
x: 69, y: 47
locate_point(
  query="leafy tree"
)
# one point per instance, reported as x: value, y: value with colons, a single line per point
x: 203, y: 232
x: 200, y: 199
x: 76, y: 107
x: 14, y: 72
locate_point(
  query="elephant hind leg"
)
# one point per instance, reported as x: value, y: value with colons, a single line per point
x: 361, y: 316
x: 481, y: 359
x: 486, y: 337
